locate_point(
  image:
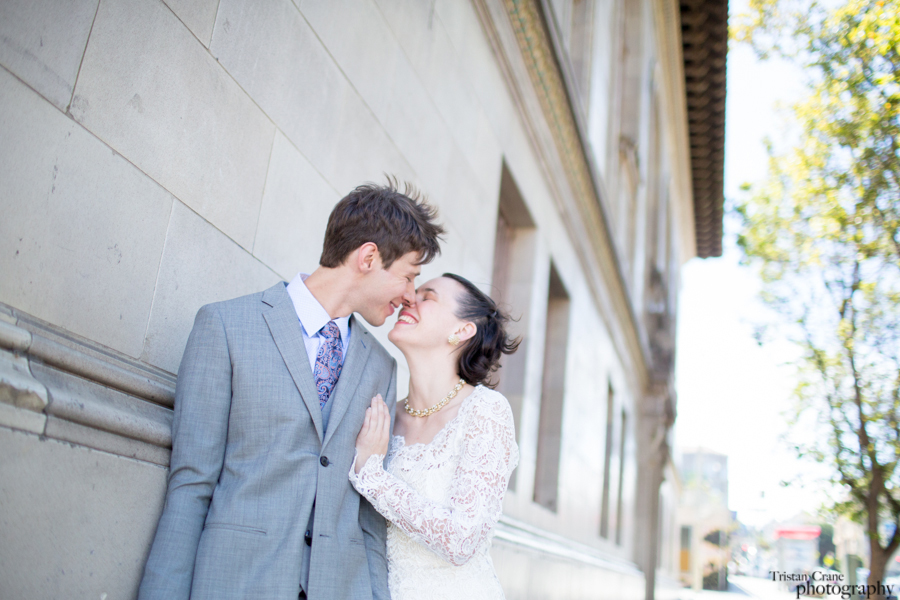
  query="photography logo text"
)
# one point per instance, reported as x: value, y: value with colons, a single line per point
x: 822, y: 583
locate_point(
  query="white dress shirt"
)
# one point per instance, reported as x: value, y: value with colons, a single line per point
x: 313, y: 317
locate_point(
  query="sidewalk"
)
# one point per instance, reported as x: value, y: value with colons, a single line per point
x: 742, y: 588
x: 757, y: 587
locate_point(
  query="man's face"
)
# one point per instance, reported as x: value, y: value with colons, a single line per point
x: 387, y: 289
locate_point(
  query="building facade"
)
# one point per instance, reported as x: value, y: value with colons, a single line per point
x: 159, y: 155
x: 705, y: 522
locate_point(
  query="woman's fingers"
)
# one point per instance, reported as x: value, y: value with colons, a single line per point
x: 374, y: 435
x: 384, y: 425
x: 364, y: 430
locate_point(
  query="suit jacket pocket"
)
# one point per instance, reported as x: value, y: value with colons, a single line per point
x: 235, y: 527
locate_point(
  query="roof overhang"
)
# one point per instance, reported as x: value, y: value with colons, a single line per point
x: 704, y: 36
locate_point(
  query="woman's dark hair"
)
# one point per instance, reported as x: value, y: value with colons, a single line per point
x: 396, y: 221
x: 479, y: 357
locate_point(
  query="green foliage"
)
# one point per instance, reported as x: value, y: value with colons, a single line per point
x: 824, y: 231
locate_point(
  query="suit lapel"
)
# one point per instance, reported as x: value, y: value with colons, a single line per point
x: 285, y: 328
x: 354, y: 364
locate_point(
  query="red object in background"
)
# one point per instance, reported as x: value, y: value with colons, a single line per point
x: 798, y: 532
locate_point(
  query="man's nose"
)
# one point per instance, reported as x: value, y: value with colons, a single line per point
x: 409, y: 295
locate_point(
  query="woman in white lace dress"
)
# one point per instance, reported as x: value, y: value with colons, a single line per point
x: 453, y: 451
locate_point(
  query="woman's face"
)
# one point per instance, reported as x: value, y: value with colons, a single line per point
x: 432, y: 319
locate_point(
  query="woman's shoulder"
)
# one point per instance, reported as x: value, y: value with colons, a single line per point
x: 490, y: 417
x: 491, y: 404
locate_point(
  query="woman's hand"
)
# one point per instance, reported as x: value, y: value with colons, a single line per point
x: 375, y: 433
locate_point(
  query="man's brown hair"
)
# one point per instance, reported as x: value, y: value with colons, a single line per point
x: 397, y: 222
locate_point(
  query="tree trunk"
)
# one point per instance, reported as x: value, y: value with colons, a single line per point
x: 877, y: 562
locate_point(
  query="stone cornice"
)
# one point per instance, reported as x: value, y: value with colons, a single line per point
x: 704, y: 24
x: 674, y: 106
x: 526, y: 54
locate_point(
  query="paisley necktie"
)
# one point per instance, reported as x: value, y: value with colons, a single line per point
x: 329, y: 360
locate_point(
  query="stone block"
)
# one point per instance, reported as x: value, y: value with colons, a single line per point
x: 273, y: 53
x: 42, y: 42
x: 416, y: 127
x: 452, y: 258
x: 6, y: 316
x: 458, y: 105
x: 475, y: 59
x: 294, y: 212
x: 365, y: 151
x: 368, y: 57
x: 82, y: 229
x: 199, y: 265
x: 20, y: 418
x: 154, y: 94
x: 528, y: 171
x: 436, y: 62
x: 485, y: 154
x: 458, y: 20
x: 469, y: 207
x: 198, y: 15
x: 12, y: 337
x: 75, y: 522
x: 413, y: 25
x: 17, y: 387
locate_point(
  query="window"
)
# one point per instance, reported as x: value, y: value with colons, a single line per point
x: 607, y: 464
x: 513, y: 280
x: 619, y: 497
x: 684, y: 558
x: 546, y: 481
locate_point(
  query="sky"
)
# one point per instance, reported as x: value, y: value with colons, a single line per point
x: 733, y: 394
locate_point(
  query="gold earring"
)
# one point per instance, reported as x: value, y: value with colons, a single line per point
x: 453, y: 339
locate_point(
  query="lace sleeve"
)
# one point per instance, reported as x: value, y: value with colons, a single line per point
x: 455, y: 530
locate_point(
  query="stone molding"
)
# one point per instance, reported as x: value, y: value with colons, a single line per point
x: 61, y: 386
x: 670, y: 72
x: 520, y: 533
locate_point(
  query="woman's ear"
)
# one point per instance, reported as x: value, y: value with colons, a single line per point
x: 467, y: 331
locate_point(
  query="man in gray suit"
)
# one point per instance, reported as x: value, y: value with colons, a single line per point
x: 272, y: 392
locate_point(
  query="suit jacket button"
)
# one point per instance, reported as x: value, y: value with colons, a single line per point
x: 324, y: 460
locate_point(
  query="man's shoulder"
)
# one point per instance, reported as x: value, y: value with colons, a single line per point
x: 241, y: 305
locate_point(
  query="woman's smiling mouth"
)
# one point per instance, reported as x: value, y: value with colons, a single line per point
x: 405, y: 317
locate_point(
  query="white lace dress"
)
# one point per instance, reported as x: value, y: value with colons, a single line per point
x: 442, y: 500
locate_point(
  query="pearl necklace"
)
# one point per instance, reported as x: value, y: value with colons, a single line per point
x: 436, y: 407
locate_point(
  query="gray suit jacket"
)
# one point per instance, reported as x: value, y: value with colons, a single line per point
x: 250, y: 456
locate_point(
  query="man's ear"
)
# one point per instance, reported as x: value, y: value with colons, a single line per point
x: 467, y: 331
x: 367, y: 257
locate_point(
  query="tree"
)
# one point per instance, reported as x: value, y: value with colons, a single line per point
x: 824, y: 231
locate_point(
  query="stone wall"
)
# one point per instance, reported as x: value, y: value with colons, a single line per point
x: 159, y: 155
